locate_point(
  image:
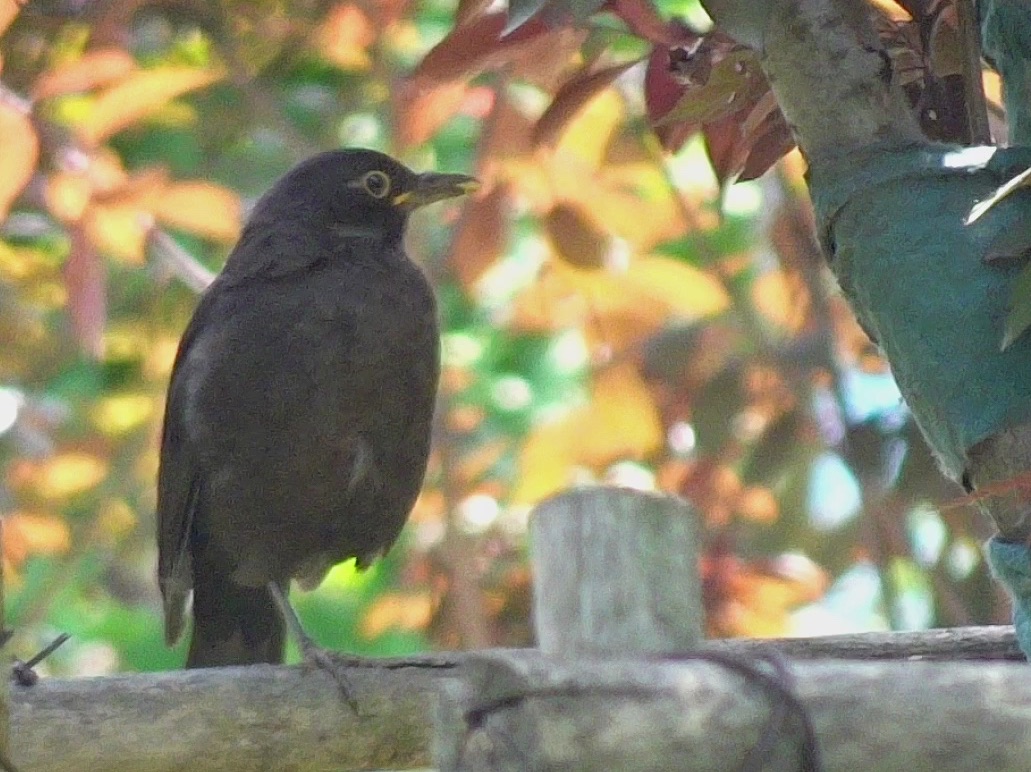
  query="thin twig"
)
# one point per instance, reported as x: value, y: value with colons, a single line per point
x: 23, y: 673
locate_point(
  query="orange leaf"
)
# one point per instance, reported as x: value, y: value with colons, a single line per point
x: 19, y: 156
x: 397, y: 611
x: 28, y: 534
x: 478, y: 461
x: 92, y: 70
x: 59, y: 476
x: 546, y: 61
x: 480, y: 45
x: 620, y: 306
x: 758, y: 504
x: 481, y: 235
x: 423, y: 107
x: 106, y: 173
x: 120, y: 218
x: 547, y: 305
x: 345, y: 36
x: 8, y: 12
x: 202, y: 208
x: 576, y: 237
x: 621, y: 420
x: 138, y: 96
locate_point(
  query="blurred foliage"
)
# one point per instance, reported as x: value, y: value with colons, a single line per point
x: 613, y: 310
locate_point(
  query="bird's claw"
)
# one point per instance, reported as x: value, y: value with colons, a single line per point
x: 315, y: 657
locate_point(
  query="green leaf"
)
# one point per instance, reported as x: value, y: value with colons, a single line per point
x: 1019, y: 317
x: 1022, y: 180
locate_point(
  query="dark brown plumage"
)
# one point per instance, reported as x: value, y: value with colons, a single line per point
x: 297, y: 425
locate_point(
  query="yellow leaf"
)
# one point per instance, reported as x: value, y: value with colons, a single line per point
x: 118, y: 230
x: 107, y: 175
x: 59, y: 476
x: 121, y: 413
x: 773, y: 297
x: 644, y: 222
x: 92, y: 70
x: 621, y: 420
x: 19, y: 155
x: 67, y: 195
x: 26, y: 534
x: 892, y: 10
x: 687, y: 292
x: 588, y: 135
x: 397, y: 611
x: 138, y: 96
x: 546, y: 460
x: 549, y: 304
x: 22, y: 264
x: 116, y: 519
x: 202, y: 208
x: 160, y: 357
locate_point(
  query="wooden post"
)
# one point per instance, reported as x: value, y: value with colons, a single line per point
x: 615, y: 573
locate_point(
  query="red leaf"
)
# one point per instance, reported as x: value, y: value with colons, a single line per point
x: 742, y: 148
x: 547, y: 61
x: 661, y: 93
x: 571, y: 98
x: 773, y: 141
x: 718, y: 87
x: 476, y: 46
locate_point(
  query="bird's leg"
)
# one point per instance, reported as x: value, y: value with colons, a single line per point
x: 313, y: 654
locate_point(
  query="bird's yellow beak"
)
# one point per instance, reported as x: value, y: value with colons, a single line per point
x: 431, y: 186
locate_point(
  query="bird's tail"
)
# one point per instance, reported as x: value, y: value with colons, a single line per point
x: 232, y: 624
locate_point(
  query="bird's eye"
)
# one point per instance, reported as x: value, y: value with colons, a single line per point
x: 376, y: 184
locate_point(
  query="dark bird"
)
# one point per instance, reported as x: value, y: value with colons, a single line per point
x: 297, y: 426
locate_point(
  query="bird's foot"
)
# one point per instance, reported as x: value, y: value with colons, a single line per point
x: 316, y: 657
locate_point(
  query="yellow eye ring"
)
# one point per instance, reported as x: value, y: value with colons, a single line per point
x: 376, y: 184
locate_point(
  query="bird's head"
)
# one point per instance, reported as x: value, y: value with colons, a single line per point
x: 356, y: 192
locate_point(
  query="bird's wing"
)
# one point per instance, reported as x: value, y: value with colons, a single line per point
x: 179, y: 485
